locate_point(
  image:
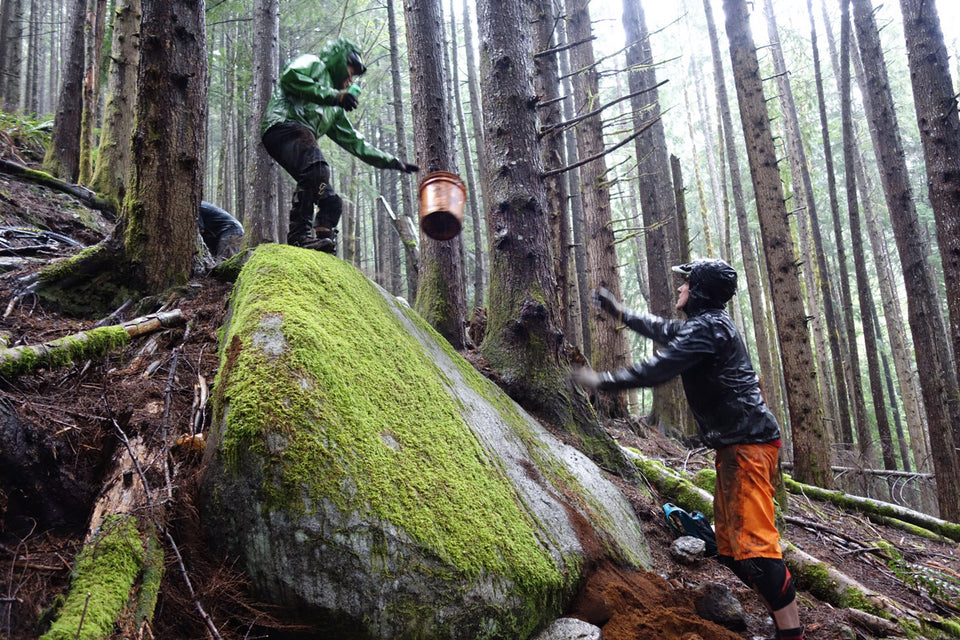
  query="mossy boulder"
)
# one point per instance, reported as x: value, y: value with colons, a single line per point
x: 370, y: 479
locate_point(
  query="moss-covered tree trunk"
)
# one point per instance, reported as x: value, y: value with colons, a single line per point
x: 93, y: 44
x: 116, y: 576
x: 441, y: 299
x: 113, y: 156
x: 152, y: 246
x: 523, y: 343
x: 811, y: 440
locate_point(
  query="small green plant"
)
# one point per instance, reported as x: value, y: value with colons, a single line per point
x: 23, y: 138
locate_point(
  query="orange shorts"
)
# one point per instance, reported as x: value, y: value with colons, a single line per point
x: 743, y: 509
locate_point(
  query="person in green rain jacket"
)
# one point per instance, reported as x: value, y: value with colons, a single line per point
x: 310, y: 101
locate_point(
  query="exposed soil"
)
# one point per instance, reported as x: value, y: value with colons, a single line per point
x: 157, y: 388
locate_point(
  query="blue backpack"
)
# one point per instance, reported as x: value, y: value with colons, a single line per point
x: 684, y: 523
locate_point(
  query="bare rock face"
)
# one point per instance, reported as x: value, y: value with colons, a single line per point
x: 370, y: 479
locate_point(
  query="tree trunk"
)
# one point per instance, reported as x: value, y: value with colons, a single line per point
x: 938, y: 378
x: 580, y: 305
x: 441, y: 299
x: 406, y: 194
x: 119, y: 564
x: 550, y: 111
x: 113, y: 157
x: 805, y: 208
x: 609, y: 347
x: 864, y: 293
x: 476, y: 121
x: 11, y: 49
x: 63, y: 155
x: 936, y: 106
x: 896, y: 330
x: 705, y: 223
x: 750, y: 267
x: 93, y: 44
x: 655, y: 187
x: 523, y: 342
x: 260, y: 211
x: 850, y: 402
x: 470, y: 176
x: 810, y: 438
x: 31, y: 96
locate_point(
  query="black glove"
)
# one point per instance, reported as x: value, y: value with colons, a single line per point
x: 603, y: 299
x: 406, y: 167
x: 348, y: 101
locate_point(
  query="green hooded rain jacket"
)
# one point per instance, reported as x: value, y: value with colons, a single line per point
x: 308, y: 92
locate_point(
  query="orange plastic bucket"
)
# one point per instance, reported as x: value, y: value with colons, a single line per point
x: 442, y: 196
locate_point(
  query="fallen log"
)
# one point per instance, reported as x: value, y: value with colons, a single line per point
x: 82, y: 194
x: 880, y: 512
x: 120, y: 566
x: 16, y: 361
x: 671, y: 484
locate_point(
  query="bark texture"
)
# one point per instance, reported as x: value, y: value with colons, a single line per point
x: 63, y: 155
x: 938, y: 378
x: 936, y: 106
x: 441, y: 299
x: 810, y: 438
x: 261, y: 216
x: 159, y: 218
x: 609, y: 347
x: 113, y: 156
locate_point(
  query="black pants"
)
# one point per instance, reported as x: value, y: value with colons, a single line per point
x: 294, y: 147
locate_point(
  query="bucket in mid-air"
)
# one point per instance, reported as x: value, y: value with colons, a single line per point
x: 442, y: 197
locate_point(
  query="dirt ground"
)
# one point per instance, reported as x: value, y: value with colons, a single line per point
x: 157, y: 388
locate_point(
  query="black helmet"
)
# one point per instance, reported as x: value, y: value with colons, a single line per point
x: 712, y: 282
x: 355, y: 61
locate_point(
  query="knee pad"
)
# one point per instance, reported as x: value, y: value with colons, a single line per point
x: 767, y: 576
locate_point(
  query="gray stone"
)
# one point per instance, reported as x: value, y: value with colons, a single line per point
x: 715, y: 602
x: 570, y: 629
x: 688, y: 550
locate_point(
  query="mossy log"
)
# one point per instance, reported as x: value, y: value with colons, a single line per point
x: 116, y: 576
x: 16, y: 361
x: 82, y: 194
x: 682, y: 492
x: 881, y: 512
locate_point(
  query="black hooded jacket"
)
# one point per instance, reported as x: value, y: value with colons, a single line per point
x: 707, y: 352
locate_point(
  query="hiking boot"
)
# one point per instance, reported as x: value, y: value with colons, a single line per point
x: 326, y: 245
x: 326, y: 240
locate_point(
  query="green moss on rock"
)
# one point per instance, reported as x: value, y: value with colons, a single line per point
x: 324, y: 398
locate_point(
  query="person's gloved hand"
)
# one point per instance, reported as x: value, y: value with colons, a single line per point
x: 603, y: 299
x: 586, y: 377
x: 348, y: 101
x: 406, y: 167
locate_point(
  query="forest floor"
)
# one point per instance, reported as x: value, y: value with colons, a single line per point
x: 159, y: 384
